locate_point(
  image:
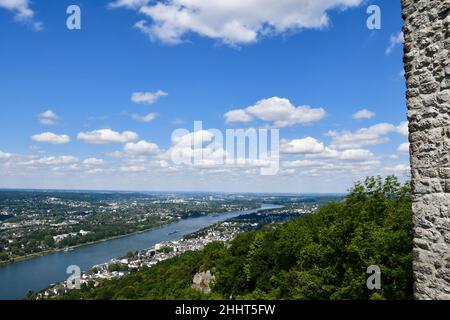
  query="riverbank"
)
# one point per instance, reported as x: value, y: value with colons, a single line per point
x: 37, y: 274
x: 55, y: 250
x: 119, y: 267
x: 46, y: 252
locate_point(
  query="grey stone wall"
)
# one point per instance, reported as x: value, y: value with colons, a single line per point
x: 427, y: 69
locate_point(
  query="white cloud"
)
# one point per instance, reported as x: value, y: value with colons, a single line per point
x: 141, y: 148
x: 374, y: 135
x: 363, y: 114
x: 95, y: 171
x: 49, y: 137
x: 318, y: 160
x: 233, y: 21
x: 22, y: 12
x: 328, y: 153
x: 198, y: 144
x: 5, y: 155
x: 146, y: 118
x: 107, y: 136
x: 61, y: 160
x: 356, y: 154
x: 238, y: 115
x: 147, y: 97
x: 394, y: 40
x: 280, y: 111
x: 115, y: 154
x: 131, y: 4
x: 200, y: 150
x: 398, y: 170
x: 403, y: 128
x: 93, y: 161
x: 403, y: 148
x: 132, y: 169
x: 302, y: 146
x: 346, y: 155
x: 21, y: 8
x: 48, y: 118
x: 299, y: 163
x: 195, y: 139
x: 351, y: 162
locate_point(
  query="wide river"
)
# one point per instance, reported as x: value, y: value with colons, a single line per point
x: 35, y: 274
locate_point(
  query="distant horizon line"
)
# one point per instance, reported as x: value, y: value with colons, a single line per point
x: 167, y: 191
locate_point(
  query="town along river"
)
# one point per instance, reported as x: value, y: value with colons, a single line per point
x: 35, y: 274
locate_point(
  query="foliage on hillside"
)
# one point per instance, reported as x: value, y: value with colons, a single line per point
x: 318, y: 256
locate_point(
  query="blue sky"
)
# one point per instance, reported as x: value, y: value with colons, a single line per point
x: 60, y: 87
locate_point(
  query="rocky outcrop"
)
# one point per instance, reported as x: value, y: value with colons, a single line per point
x: 427, y: 70
x: 203, y: 281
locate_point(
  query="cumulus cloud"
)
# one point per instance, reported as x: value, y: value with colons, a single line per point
x: 95, y: 171
x: 141, y: 148
x: 374, y: 135
x: 204, y: 150
x: 21, y: 8
x: 49, y: 137
x: 346, y: 155
x: 394, y: 41
x: 22, y: 12
x: 363, y: 114
x: 107, y: 136
x: 198, y: 144
x: 279, y: 111
x: 195, y: 139
x: 398, y: 170
x: 5, y: 155
x: 93, y: 161
x: 319, y: 158
x: 403, y: 129
x: 356, y: 154
x: 403, y: 148
x: 302, y: 146
x: 299, y: 163
x: 351, y: 161
x: 131, y: 4
x: 147, y: 97
x: 238, y: 115
x: 232, y: 21
x: 48, y: 118
x: 132, y: 169
x: 61, y: 160
x: 145, y: 118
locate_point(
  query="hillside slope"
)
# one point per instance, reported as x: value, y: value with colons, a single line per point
x: 318, y: 256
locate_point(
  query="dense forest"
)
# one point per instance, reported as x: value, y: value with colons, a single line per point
x: 323, y: 255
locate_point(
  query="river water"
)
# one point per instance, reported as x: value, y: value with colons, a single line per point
x: 18, y: 278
